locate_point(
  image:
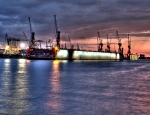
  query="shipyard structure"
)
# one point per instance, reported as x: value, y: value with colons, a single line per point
x: 57, y: 52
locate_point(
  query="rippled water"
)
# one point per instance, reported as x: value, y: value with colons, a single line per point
x: 45, y: 87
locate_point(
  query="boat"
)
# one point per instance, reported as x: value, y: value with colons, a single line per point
x: 36, y: 53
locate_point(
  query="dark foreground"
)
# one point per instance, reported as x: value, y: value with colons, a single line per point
x: 47, y: 87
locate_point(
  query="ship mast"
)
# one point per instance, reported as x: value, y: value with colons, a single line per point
x: 57, y: 33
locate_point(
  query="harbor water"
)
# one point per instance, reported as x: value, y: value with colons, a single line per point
x: 51, y: 87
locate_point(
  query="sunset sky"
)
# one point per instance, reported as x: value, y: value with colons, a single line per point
x: 80, y: 19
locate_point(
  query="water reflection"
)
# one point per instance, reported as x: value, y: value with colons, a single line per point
x: 5, y: 78
x: 14, y: 87
x: 45, y: 87
x: 55, y: 98
x: 6, y: 67
x: 55, y: 82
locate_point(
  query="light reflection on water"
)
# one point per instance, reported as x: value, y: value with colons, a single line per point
x: 14, y: 90
x: 45, y: 87
x: 54, y: 102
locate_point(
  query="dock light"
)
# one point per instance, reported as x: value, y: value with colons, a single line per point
x: 6, y: 47
x: 22, y: 45
x: 56, y: 48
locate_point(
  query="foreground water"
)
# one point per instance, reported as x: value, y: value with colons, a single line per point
x: 45, y: 87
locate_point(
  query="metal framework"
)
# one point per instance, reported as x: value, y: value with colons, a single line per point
x: 99, y: 42
x: 70, y: 42
x: 129, y: 45
x: 119, y: 43
x: 32, y: 39
x: 108, y: 44
x: 57, y: 33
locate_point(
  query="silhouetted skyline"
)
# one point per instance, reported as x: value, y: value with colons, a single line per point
x: 79, y: 19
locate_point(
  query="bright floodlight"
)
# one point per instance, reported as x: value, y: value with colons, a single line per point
x: 22, y: 45
x: 6, y: 47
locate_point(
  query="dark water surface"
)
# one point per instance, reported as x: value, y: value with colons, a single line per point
x: 45, y: 87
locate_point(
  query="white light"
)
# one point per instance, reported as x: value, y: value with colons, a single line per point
x: 62, y: 53
x: 6, y: 47
x: 22, y: 60
x: 22, y: 45
x: 7, y: 60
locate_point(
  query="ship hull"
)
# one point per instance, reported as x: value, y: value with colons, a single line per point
x: 39, y: 58
x: 131, y: 57
x: 70, y: 54
x: 134, y: 57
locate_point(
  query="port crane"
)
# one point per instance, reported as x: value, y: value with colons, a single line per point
x: 11, y: 41
x: 12, y: 45
x: 29, y: 42
x: 65, y: 46
x: 57, y: 33
x: 99, y: 42
x: 32, y: 39
x: 78, y: 48
x: 119, y: 43
x: 49, y: 44
x: 129, y: 47
x: 70, y: 42
x: 108, y: 44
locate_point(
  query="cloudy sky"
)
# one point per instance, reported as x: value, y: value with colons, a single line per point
x: 80, y: 19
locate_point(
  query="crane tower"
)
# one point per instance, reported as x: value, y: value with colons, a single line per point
x: 108, y: 44
x: 119, y: 43
x: 99, y: 41
x: 57, y: 33
x: 32, y: 39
